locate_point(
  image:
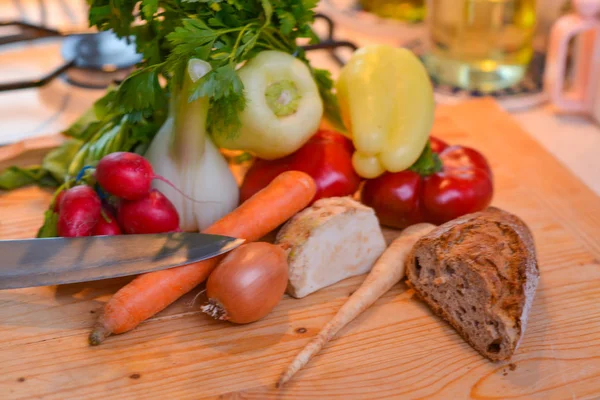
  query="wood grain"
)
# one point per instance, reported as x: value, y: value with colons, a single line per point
x: 397, y: 349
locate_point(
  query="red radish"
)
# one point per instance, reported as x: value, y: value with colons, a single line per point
x: 79, y: 212
x: 57, y: 200
x: 128, y: 176
x: 107, y: 225
x: 125, y: 175
x: 150, y: 293
x: 152, y: 214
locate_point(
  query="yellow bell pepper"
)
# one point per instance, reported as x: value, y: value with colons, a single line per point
x: 386, y: 102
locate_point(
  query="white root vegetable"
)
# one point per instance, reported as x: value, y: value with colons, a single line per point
x: 333, y: 239
x: 388, y: 271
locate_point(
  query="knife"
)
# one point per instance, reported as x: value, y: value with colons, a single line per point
x: 55, y: 261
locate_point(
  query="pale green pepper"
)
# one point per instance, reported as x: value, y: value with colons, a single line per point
x: 283, y: 110
x: 386, y: 101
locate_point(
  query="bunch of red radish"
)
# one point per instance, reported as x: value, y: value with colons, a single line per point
x: 127, y: 177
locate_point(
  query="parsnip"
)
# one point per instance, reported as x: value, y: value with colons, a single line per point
x: 388, y: 271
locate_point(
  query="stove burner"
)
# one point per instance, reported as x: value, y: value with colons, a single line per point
x: 99, y: 59
x: 96, y: 60
x: 92, y: 60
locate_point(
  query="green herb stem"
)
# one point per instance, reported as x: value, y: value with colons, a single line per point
x: 238, y: 40
x: 278, y: 44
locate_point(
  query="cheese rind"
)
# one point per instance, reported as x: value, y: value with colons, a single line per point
x: 332, y: 240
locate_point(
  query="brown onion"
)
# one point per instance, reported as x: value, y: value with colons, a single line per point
x: 247, y: 284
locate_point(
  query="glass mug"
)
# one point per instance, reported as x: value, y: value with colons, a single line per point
x: 582, y: 93
x: 483, y: 45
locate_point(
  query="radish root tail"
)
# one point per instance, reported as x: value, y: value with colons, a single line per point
x: 175, y: 188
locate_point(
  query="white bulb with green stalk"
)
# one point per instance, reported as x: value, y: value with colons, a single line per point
x: 183, y: 152
x: 283, y: 110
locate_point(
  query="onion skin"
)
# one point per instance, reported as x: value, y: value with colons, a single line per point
x: 247, y: 284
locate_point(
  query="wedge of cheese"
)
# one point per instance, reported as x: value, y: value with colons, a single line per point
x: 334, y: 239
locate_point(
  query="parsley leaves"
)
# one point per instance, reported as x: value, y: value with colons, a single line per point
x: 225, y: 33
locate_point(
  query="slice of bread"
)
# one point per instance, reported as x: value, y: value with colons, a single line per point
x: 334, y: 239
x: 479, y: 272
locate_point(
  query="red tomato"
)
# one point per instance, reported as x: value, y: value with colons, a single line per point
x: 464, y: 185
x: 326, y: 157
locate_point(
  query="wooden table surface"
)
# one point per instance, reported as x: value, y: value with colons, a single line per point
x: 397, y: 349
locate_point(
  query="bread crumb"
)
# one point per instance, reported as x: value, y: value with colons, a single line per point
x: 512, y: 366
x: 440, y: 280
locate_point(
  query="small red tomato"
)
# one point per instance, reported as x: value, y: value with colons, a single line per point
x: 326, y: 157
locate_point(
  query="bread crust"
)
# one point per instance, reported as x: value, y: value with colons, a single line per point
x: 496, y: 252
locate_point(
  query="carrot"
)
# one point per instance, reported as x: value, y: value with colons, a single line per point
x: 387, y: 271
x: 150, y: 293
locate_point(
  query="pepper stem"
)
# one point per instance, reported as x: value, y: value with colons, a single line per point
x: 428, y: 162
x: 283, y: 98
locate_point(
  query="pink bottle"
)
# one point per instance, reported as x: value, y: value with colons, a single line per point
x: 584, y: 94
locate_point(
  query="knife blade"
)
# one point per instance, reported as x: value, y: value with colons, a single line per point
x: 55, y: 261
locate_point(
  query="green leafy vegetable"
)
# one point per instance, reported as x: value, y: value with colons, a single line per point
x: 50, y: 226
x: 168, y: 33
x: 330, y: 101
x: 16, y: 177
x: 56, y: 161
x: 224, y: 33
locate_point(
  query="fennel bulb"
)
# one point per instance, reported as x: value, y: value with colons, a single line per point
x: 183, y: 153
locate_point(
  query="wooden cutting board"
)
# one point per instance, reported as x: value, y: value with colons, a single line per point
x: 397, y: 349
